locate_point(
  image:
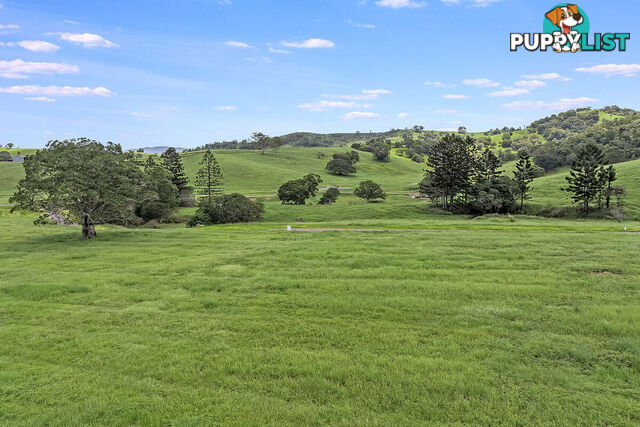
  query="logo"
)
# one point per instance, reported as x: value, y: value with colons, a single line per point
x: 566, y: 29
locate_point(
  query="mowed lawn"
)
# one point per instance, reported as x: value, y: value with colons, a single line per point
x: 234, y: 325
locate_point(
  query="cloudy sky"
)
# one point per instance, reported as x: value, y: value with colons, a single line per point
x: 167, y: 72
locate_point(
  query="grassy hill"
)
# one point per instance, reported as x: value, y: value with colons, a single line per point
x: 249, y: 172
x: 547, y: 189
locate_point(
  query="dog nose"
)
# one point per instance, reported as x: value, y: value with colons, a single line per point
x: 577, y: 17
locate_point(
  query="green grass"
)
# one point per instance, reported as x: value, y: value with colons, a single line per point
x: 249, y: 172
x: 250, y: 324
x: 10, y: 174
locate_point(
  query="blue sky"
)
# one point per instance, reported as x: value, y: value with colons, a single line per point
x: 188, y: 72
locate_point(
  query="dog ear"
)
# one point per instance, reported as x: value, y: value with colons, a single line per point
x: 554, y: 16
x: 573, y: 8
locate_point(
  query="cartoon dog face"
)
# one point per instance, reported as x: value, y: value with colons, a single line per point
x: 566, y: 17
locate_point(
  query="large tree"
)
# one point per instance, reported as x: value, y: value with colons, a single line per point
x: 452, y: 165
x: 585, y: 182
x: 86, y: 181
x: 209, y: 176
x: 262, y: 142
x: 487, y: 166
x: 523, y: 176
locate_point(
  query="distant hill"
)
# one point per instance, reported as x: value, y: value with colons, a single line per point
x: 161, y: 149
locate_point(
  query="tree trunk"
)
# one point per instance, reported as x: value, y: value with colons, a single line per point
x: 88, y: 229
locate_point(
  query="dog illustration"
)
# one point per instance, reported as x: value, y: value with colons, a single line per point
x: 566, y: 18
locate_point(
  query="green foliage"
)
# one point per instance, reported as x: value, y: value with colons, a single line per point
x: 226, y: 209
x: 494, y: 196
x: 155, y: 210
x: 380, y: 148
x: 297, y: 191
x: 487, y: 166
x: 369, y: 191
x: 90, y: 182
x: 262, y: 142
x: 340, y: 167
x: 209, y: 176
x: 5, y: 156
x: 585, y: 182
x: 330, y: 196
x: 452, y: 166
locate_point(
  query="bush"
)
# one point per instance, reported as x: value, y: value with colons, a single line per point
x: 355, y: 157
x: 369, y: 190
x: 321, y: 155
x: 226, y: 209
x: 330, y: 196
x: 5, y: 156
x: 155, y: 210
x: 343, y: 156
x: 340, y: 167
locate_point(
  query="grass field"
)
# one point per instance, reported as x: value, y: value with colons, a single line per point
x: 254, y: 325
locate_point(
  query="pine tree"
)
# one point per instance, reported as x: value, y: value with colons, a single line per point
x: 174, y: 165
x: 609, y: 175
x: 209, y: 176
x: 585, y: 182
x: 523, y: 176
x: 452, y: 165
x: 488, y: 164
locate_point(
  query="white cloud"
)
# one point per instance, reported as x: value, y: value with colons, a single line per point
x: 360, y: 115
x: 279, y: 51
x: 145, y: 115
x: 226, y: 108
x: 261, y: 58
x: 310, y: 44
x: 530, y: 84
x: 40, y: 98
x: 224, y: 2
x: 69, y: 21
x: 365, y: 94
x: 234, y: 43
x: 447, y: 111
x: 19, y: 69
x: 559, y: 105
x: 58, y: 91
x: 546, y: 76
x: 455, y: 97
x: 359, y: 25
x: 9, y: 27
x: 403, y: 115
x: 480, y: 83
x: 509, y: 91
x: 87, y: 40
x: 439, y: 84
x: 33, y: 45
x: 625, y: 70
x: 325, y: 105
x: 398, y: 4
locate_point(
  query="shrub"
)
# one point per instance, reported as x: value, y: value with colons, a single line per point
x: 155, y: 210
x: 355, y: 157
x: 369, y: 190
x: 226, y: 209
x: 330, y: 196
x: 5, y: 156
x: 321, y: 155
x: 343, y: 156
x: 340, y: 167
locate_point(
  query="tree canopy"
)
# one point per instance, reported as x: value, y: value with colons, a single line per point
x: 86, y: 181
